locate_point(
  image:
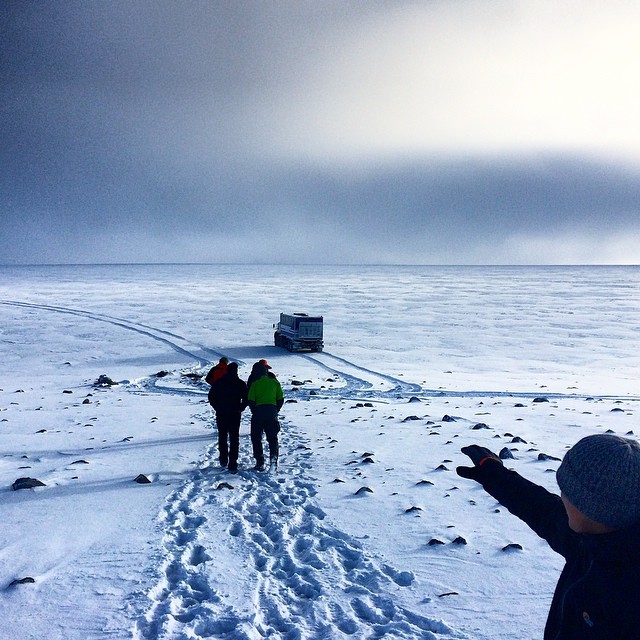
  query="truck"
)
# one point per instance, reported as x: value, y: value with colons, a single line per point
x: 299, y: 332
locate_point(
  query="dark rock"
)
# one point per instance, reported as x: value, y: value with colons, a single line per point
x: 25, y: 580
x: 410, y: 418
x: 297, y: 383
x: 519, y: 405
x: 514, y: 546
x: 42, y: 431
x: 363, y: 490
x: 459, y: 540
x: 541, y: 399
x: 67, y: 391
x: 338, y: 480
x: 480, y: 425
x: 441, y: 467
x: 80, y: 462
x: 291, y: 401
x: 447, y: 418
x: 617, y: 410
x: 412, y: 509
x: 368, y: 460
x: 86, y: 401
x: 224, y: 485
x: 505, y: 454
x: 162, y: 374
x: 434, y: 542
x: 105, y: 381
x: 422, y: 482
x: 142, y: 479
x: 517, y: 439
x: 449, y: 593
x: 414, y: 399
x: 27, y: 483
x: 544, y: 456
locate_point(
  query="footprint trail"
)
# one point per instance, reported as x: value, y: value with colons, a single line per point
x: 302, y: 577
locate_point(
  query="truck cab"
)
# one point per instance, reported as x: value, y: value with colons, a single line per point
x: 299, y: 332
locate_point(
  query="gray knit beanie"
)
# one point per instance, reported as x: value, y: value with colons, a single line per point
x: 600, y: 476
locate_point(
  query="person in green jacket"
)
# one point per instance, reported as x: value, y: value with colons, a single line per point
x: 265, y: 401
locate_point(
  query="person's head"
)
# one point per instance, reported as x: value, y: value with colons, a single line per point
x: 232, y: 369
x: 265, y: 363
x: 259, y: 370
x: 223, y: 360
x: 600, y: 483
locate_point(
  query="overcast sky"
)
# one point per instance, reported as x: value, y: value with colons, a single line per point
x: 423, y: 132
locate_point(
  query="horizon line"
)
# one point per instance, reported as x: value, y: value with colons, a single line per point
x: 313, y: 264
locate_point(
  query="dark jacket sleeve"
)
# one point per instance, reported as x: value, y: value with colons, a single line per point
x: 244, y: 402
x: 542, y: 510
x: 213, y: 396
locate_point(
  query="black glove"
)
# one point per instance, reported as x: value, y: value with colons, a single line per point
x: 479, y: 456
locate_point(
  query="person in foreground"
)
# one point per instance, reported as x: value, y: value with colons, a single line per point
x: 265, y: 401
x: 594, y: 524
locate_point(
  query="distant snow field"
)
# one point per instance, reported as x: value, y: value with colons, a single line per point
x: 365, y: 530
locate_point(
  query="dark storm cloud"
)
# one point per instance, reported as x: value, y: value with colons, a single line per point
x: 144, y: 131
x: 513, y: 192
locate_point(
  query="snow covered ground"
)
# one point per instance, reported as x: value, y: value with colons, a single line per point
x: 365, y: 531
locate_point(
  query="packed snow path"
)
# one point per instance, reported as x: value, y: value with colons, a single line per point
x: 303, y: 577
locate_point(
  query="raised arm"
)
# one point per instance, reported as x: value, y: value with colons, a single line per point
x: 542, y: 510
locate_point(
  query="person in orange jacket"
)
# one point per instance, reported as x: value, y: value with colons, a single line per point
x: 215, y: 373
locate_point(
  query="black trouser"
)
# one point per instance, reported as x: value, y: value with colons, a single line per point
x: 228, y: 430
x: 264, y: 419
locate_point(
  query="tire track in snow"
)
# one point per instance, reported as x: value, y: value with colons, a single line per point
x: 184, y: 346
x: 357, y: 388
x: 174, y: 341
x: 304, y: 578
x: 354, y: 383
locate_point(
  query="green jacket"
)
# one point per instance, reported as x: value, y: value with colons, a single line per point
x: 266, y: 390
